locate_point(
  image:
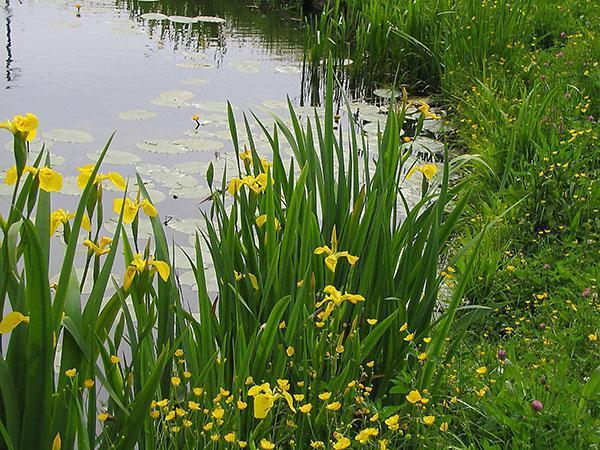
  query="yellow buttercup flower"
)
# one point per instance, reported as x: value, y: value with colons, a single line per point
x: 481, y: 370
x: 71, y: 373
x: 101, y: 248
x: 266, y: 445
x: 290, y: 351
x: 140, y: 265
x: 114, y: 359
x: 229, y: 437
x: 11, y: 321
x: 428, y: 170
x: 89, y: 383
x: 393, y: 422
x: 305, y: 409
x: 335, y: 406
x: 175, y: 381
x: 241, y: 404
x: 218, y: 413
x: 131, y: 208
x: 444, y: 427
x: 409, y: 337
x: 364, y: 435
x: 371, y: 321
x: 342, y: 443
x: 414, y: 396
x: 325, y: 396
x: 85, y: 173
x: 24, y: 126
x: 428, y: 420
x: 62, y: 217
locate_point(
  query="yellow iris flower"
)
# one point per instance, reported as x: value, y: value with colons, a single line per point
x: 50, y: 180
x: 428, y: 171
x: 11, y: 320
x: 139, y: 265
x: 60, y: 216
x: 24, y: 126
x: 262, y: 219
x: 101, y: 248
x: 333, y: 255
x: 264, y: 399
x: 335, y: 298
x: 85, y: 173
x: 256, y: 184
x: 131, y: 208
x: 425, y: 109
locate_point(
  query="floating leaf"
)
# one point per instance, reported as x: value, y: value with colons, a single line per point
x: 68, y: 136
x: 386, y: 93
x: 275, y: 104
x: 196, y: 65
x: 183, y: 19
x: 116, y: 157
x: 136, y: 114
x: 194, y: 82
x: 186, y: 226
x: 154, y: 16
x: 245, y: 66
x: 210, y: 19
x: 190, y: 192
x: 289, y: 70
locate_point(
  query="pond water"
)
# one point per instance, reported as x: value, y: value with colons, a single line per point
x: 144, y: 69
x: 114, y: 66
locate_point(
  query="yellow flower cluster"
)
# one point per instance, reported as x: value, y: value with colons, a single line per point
x: 24, y: 126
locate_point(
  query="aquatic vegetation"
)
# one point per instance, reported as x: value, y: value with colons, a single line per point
x: 300, y: 330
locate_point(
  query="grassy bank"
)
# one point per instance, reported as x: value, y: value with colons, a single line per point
x: 520, y: 81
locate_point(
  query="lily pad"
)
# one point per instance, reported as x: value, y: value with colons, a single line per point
x: 65, y: 24
x: 212, y: 106
x: 386, y: 93
x: 199, y: 133
x: 288, y: 70
x: 34, y: 146
x: 210, y: 19
x: 190, y: 192
x: 70, y: 187
x: 182, y: 19
x: 154, y: 16
x: 173, y: 99
x: 245, y: 66
x: 68, y: 136
x: 186, y: 226
x: 191, y: 167
x: 194, y: 82
x: 161, y: 146
x: 196, y: 65
x: 6, y: 190
x: 116, y: 157
x: 200, y: 145
x: 136, y: 114
x: 275, y: 104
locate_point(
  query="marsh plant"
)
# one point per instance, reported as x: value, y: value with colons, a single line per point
x: 326, y: 329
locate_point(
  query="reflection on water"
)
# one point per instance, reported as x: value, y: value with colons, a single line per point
x: 111, y: 69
